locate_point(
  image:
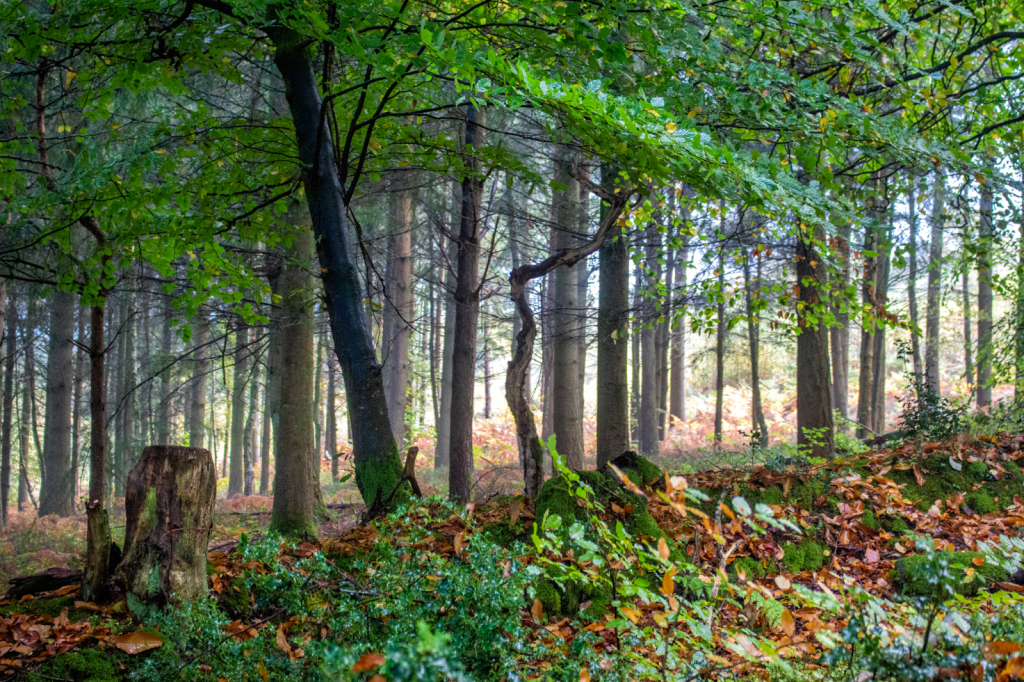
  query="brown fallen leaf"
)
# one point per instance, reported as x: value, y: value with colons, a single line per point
x: 787, y: 623
x: 138, y: 641
x: 537, y: 610
x: 368, y: 662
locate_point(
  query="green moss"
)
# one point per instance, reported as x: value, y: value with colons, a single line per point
x: 910, y: 580
x: 753, y: 568
x: 88, y: 665
x: 41, y: 607
x: 941, y: 481
x: 981, y: 502
x: 505, y: 535
x: 977, y: 472
x: 899, y: 526
x: 804, y: 494
x: 640, y: 470
x: 550, y: 599
x: 869, y: 519
x: 772, y: 495
x: 809, y: 555
x: 236, y: 598
x: 377, y: 476
x: 293, y: 525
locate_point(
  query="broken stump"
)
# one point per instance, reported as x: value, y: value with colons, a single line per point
x: 169, y: 514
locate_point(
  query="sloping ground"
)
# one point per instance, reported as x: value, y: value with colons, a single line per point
x: 285, y: 605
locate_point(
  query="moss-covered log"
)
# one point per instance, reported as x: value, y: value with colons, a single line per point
x: 169, y: 513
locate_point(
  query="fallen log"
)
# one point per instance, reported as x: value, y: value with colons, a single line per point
x: 46, y: 581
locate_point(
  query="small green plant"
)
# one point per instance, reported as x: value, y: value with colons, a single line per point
x: 926, y: 415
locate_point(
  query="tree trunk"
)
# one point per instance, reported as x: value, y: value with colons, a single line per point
x: 399, y: 308
x: 839, y: 335
x: 331, y: 417
x: 566, y: 419
x: 200, y: 369
x: 968, y: 333
x: 318, y: 443
x: 931, y: 347
x: 128, y: 412
x: 265, y: 422
x: 634, y: 359
x: 986, y: 242
x: 813, y: 391
x: 163, y: 432
x: 467, y: 312
x: 24, y: 418
x: 720, y: 343
x: 442, y: 451
x: 487, y: 368
x: 649, y: 392
x: 249, y: 439
x: 56, y: 496
x: 236, y: 478
x: 613, y: 437
x: 758, y: 424
x: 677, y: 401
x: 663, y: 340
x: 865, y: 401
x: 880, y: 366
x: 294, y: 451
x: 915, y: 339
x: 11, y: 333
x: 169, y: 516
x: 378, y: 468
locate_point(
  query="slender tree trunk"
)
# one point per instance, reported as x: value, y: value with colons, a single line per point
x: 11, y: 350
x: 968, y: 334
x: 487, y: 369
x: 865, y: 402
x: 754, y: 337
x: 399, y: 309
x: 76, y: 416
x: 30, y: 428
x: 128, y: 416
x: 331, y: 417
x: 200, y: 369
x: 318, y: 443
x: 720, y: 344
x: 566, y: 417
x: 931, y: 350
x: 249, y: 442
x: 880, y: 365
x: 265, y: 423
x: 649, y: 392
x: 839, y: 335
x: 378, y: 468
x: 986, y: 239
x: 467, y: 313
x: 444, y: 440
x: 613, y: 433
x: 56, y: 496
x: 5, y: 454
x: 634, y: 398
x: 236, y: 478
x: 677, y: 401
x: 1018, y: 384
x: 813, y: 390
x: 582, y: 305
x: 547, y: 357
x: 664, y: 340
x: 915, y: 339
x: 163, y: 433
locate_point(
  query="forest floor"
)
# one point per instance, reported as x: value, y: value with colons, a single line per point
x: 766, y: 591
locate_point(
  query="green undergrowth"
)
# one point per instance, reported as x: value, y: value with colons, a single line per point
x: 965, y: 572
x: 87, y: 665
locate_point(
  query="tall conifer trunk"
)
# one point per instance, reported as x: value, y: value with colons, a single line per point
x: 986, y: 239
x: 931, y: 348
x: 56, y: 496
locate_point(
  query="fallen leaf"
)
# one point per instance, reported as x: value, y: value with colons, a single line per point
x: 783, y: 582
x: 458, y: 542
x: 663, y: 550
x: 537, y: 610
x: 787, y: 624
x: 368, y: 662
x: 136, y: 642
x: 584, y: 675
x: 978, y: 561
x: 282, y: 640
x: 870, y: 556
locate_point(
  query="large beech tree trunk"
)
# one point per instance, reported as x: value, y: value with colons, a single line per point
x: 612, y: 336
x: 931, y: 342
x: 169, y: 516
x: 467, y: 314
x: 566, y: 418
x: 813, y: 388
x: 200, y: 368
x: 295, y: 456
x: 56, y: 493
x: 378, y: 468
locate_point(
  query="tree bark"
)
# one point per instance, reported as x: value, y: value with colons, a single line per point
x: 11, y: 334
x: 24, y: 418
x: 566, y: 419
x: 634, y: 358
x: 442, y: 452
x: 677, y: 400
x: 663, y: 341
x: 169, y: 516
x: 649, y: 393
x: 294, y: 450
x: 249, y: 439
x: 986, y: 240
x: 76, y: 415
x: 467, y: 313
x: 813, y: 389
x: 915, y: 339
x: 399, y: 308
x: 236, y: 478
x: 931, y: 347
x: 331, y: 416
x: 163, y: 418
x: 968, y: 340
x: 265, y: 423
x: 879, y: 357
x: 200, y: 369
x: 56, y: 496
x: 865, y: 401
x: 378, y: 468
x: 758, y: 423
x: 613, y: 437
x: 839, y: 335
x: 720, y: 343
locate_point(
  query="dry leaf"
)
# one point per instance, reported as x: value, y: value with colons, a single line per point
x: 783, y: 582
x: 537, y: 610
x: 787, y: 624
x: 368, y: 662
x: 136, y: 642
x: 458, y: 542
x: 663, y: 550
x: 584, y: 675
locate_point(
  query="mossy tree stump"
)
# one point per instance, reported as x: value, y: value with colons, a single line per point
x: 169, y: 513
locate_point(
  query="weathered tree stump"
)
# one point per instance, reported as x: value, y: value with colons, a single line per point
x: 169, y: 513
